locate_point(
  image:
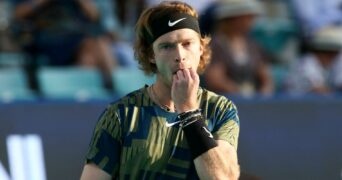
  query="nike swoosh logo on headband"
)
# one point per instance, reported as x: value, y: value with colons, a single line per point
x: 175, y: 22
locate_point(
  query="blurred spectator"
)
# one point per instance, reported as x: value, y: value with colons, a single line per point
x: 64, y: 32
x: 125, y: 14
x: 238, y: 65
x: 199, y: 5
x: 114, y: 24
x: 319, y: 70
x: 313, y: 15
x: 276, y: 32
x: 6, y: 43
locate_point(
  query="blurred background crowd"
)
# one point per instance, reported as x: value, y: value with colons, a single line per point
x: 83, y: 48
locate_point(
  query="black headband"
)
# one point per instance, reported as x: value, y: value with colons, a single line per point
x: 171, y: 22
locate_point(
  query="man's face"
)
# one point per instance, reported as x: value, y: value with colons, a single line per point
x: 176, y: 50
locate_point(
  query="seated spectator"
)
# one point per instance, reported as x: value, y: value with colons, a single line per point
x: 315, y: 15
x: 116, y: 27
x: 64, y: 32
x: 318, y: 71
x: 238, y: 65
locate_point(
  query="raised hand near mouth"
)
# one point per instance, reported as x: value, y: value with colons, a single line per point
x: 184, y: 90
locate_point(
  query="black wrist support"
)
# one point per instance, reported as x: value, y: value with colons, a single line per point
x: 199, y: 138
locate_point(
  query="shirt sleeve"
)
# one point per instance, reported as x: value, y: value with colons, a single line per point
x: 105, y: 146
x: 227, y: 126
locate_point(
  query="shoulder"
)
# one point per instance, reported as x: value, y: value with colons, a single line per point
x: 222, y: 117
x: 217, y: 106
x: 135, y: 98
x: 214, y: 99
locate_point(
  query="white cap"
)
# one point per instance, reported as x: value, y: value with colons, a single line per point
x: 327, y: 39
x: 233, y: 8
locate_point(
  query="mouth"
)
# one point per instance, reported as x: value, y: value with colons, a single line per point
x: 175, y: 72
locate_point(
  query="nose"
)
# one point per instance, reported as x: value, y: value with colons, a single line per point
x: 178, y: 60
x: 180, y: 54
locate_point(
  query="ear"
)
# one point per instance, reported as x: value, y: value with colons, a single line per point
x: 152, y: 60
x: 152, y: 57
x: 201, y: 49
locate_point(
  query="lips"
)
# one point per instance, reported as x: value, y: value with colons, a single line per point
x: 175, y: 72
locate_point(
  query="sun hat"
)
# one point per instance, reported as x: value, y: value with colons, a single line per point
x: 327, y: 39
x: 233, y: 8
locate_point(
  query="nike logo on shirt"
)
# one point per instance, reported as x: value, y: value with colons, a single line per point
x: 172, y: 124
x: 175, y: 22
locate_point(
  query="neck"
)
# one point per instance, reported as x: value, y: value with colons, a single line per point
x: 161, y: 95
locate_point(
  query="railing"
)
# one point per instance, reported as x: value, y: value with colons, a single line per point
x: 280, y: 138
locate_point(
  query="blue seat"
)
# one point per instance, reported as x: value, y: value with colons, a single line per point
x: 14, y: 85
x: 12, y: 59
x: 126, y: 80
x: 75, y: 83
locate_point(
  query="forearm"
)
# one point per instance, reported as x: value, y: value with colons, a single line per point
x: 222, y: 84
x: 265, y: 78
x: 217, y: 81
x: 89, y: 9
x: 218, y: 163
x: 25, y: 9
x: 213, y: 159
x: 92, y: 171
x: 267, y: 86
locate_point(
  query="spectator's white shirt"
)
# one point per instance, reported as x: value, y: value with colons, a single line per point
x: 337, y: 71
x: 308, y: 73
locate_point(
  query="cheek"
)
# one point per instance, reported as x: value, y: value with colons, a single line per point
x: 162, y: 66
x: 165, y: 71
x: 197, y: 54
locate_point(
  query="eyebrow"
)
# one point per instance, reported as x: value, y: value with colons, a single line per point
x: 174, y: 42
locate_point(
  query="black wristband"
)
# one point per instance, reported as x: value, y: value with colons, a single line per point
x: 187, y: 114
x: 199, y: 138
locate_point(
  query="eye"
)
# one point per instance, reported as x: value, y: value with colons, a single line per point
x: 166, y: 46
x: 187, y: 44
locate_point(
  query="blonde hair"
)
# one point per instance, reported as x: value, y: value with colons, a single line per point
x: 143, y: 50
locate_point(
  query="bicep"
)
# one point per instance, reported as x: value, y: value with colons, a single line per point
x: 91, y: 171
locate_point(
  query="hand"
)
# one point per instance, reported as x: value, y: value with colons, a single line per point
x: 185, y: 85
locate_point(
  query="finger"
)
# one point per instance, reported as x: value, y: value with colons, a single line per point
x: 194, y: 74
x: 180, y: 74
x: 187, y: 74
x: 175, y: 78
x: 174, y: 82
